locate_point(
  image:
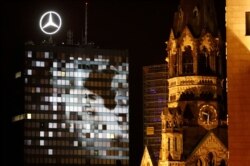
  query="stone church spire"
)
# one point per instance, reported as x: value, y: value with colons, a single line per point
x: 194, y: 128
x: 195, y: 110
x: 194, y: 43
x: 197, y: 15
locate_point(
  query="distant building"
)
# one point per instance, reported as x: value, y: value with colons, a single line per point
x: 76, y: 105
x: 194, y: 125
x: 155, y: 94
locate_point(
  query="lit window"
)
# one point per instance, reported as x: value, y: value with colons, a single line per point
x: 38, y: 63
x: 54, y: 125
x: 54, y: 107
x: 59, y: 73
x: 112, y: 136
x: 71, y: 128
x: 63, y: 125
x: 46, y: 55
x: 84, y: 143
x: 54, y: 116
x: 75, y: 143
x: 41, y: 142
x: 54, y: 73
x: 50, y: 151
x: 63, y: 82
x: 79, y: 83
x: 59, y: 82
x: 38, y: 90
x: 29, y: 55
x: 50, y: 134
x: 29, y: 72
x: 29, y: 116
x: 54, y: 64
x: 41, y: 133
x: 18, y: 74
x: 42, y: 64
x: 87, y: 126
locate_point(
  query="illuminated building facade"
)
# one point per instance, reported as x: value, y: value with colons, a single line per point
x: 238, y: 64
x: 154, y: 101
x: 194, y: 124
x: 76, y: 106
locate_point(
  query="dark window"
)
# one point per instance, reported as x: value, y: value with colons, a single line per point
x: 175, y: 144
x: 248, y: 23
x: 175, y: 65
x: 168, y: 144
x: 211, y: 161
x: 187, y: 61
x: 203, y: 62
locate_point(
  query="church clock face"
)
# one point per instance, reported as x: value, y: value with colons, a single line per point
x: 208, y: 117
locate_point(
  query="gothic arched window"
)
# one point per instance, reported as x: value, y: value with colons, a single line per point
x: 203, y: 62
x: 175, y: 65
x: 187, y: 61
x: 175, y: 144
x: 223, y: 163
x: 199, y: 162
x: 188, y: 115
x: 211, y: 161
x: 195, y: 12
x: 168, y: 144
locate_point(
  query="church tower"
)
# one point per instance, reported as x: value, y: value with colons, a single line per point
x: 171, y: 143
x: 194, y: 126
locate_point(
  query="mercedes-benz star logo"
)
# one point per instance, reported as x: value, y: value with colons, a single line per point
x: 50, y: 22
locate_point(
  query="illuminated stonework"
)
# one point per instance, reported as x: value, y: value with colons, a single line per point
x: 147, y: 161
x: 194, y: 125
x: 211, y: 149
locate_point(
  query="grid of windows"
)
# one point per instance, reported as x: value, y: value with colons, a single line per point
x: 77, y: 107
x: 155, y: 95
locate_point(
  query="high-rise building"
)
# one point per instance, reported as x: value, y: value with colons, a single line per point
x: 76, y: 109
x: 194, y: 124
x: 238, y: 64
x: 154, y: 102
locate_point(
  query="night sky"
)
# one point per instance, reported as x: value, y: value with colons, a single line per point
x: 142, y: 27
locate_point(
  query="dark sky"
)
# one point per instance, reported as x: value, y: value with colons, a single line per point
x: 142, y: 27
